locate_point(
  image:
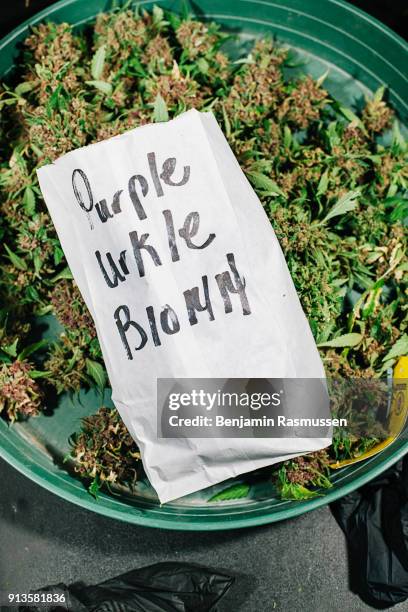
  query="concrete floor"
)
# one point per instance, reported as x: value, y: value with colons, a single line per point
x: 292, y: 566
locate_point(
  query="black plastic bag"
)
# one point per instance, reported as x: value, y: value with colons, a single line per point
x: 375, y: 521
x: 163, y: 587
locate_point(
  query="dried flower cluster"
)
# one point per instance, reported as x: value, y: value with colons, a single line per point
x: 104, y: 450
x: 296, y: 475
x: 333, y: 187
x: 20, y: 395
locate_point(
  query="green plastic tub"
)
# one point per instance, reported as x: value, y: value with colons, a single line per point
x: 361, y: 54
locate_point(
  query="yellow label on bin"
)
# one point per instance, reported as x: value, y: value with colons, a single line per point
x: 397, y: 417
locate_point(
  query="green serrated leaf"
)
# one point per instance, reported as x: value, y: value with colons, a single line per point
x: 40, y: 373
x: 58, y: 255
x: 236, y: 491
x: 32, y: 348
x: 40, y: 311
x: 352, y: 117
x: 57, y: 100
x: 400, y: 348
x: 160, y: 112
x: 103, y: 86
x: 345, y: 204
x: 65, y: 273
x: 98, y: 63
x: 24, y: 87
x: 379, y: 94
x: 264, y: 183
x: 32, y: 293
x: 287, y: 137
x: 203, y: 65
x: 94, y: 487
x: 347, y: 340
x: 174, y: 21
x: 36, y: 149
x: 323, y: 183
x: 387, y: 365
x: 398, y: 140
x: 37, y: 262
x: 97, y: 372
x: 332, y: 134
x: 158, y: 14
x: 296, y: 492
x: 227, y: 123
x: 10, y: 349
x: 29, y: 200
x: 17, y: 261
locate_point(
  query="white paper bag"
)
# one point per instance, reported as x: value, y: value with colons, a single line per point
x: 198, y: 285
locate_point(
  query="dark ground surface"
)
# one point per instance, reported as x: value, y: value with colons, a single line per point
x: 292, y: 566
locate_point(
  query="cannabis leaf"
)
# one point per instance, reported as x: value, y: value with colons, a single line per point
x: 94, y: 487
x: 264, y: 183
x: 347, y: 340
x: 346, y: 203
x: 24, y: 87
x: 158, y: 14
x: 97, y: 372
x: 102, y: 86
x: 296, y: 491
x: 17, y: 261
x: 29, y: 200
x: 160, y: 112
x: 39, y: 374
x: 236, y: 491
x: 10, y: 349
x: 399, y: 349
x: 65, y: 273
x: 323, y: 184
x: 32, y: 348
x: 98, y: 63
x: 350, y: 116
